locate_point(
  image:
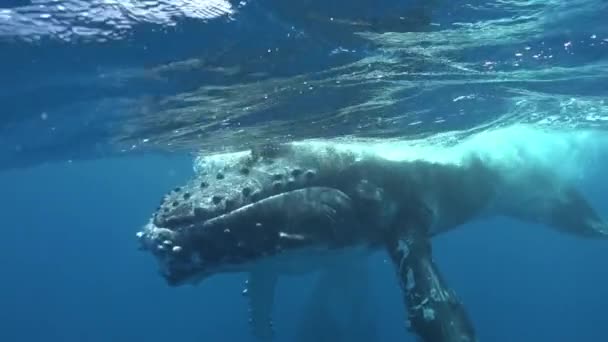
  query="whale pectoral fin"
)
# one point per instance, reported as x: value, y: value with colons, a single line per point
x: 343, y: 287
x: 260, y: 292
x: 435, y: 313
x: 317, y: 322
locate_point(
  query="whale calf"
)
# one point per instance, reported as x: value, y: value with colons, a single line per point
x: 294, y: 209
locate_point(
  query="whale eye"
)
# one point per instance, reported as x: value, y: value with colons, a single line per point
x: 186, y: 195
x: 204, y: 184
x: 219, y: 175
x: 216, y: 199
x: 245, y: 170
x: 296, y: 172
x: 310, y: 174
x: 277, y: 176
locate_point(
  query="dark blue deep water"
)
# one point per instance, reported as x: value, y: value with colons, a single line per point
x: 105, y: 104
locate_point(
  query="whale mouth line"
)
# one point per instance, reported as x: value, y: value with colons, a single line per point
x: 175, y: 247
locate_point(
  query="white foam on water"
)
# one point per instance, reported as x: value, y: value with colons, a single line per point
x: 215, y: 162
x: 572, y: 155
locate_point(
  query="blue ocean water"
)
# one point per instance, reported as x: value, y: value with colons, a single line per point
x: 71, y: 271
x: 103, y: 106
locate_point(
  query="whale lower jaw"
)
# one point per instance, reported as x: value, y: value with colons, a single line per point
x: 293, y: 262
x: 160, y: 242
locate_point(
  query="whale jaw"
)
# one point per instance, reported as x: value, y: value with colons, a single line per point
x: 317, y: 219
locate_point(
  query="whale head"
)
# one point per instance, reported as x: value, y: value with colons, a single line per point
x: 231, y: 216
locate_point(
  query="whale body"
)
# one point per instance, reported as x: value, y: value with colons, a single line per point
x: 293, y: 209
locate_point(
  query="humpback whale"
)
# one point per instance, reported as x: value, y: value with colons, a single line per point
x: 294, y: 208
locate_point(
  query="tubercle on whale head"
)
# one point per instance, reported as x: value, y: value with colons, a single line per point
x: 218, y: 190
